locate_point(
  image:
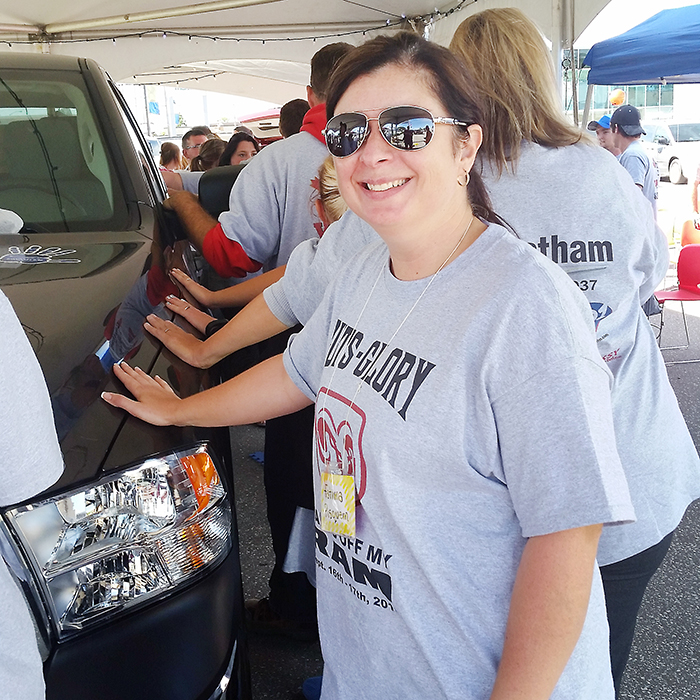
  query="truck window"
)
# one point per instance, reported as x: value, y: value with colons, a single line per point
x: 55, y: 171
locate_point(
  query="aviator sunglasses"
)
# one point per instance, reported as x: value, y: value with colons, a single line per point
x: 406, y: 128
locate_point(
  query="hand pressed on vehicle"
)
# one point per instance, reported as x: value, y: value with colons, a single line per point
x: 264, y: 391
x: 155, y: 402
x: 182, y: 343
x: 196, y: 318
x: 203, y: 295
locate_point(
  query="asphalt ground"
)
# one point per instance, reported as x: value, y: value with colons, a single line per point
x: 665, y: 659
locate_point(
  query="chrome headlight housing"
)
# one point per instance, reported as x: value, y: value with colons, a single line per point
x: 134, y: 535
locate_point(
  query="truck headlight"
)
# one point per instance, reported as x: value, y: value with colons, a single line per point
x: 131, y: 536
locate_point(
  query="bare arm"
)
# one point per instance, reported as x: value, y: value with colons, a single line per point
x: 547, y: 610
x: 195, y: 220
x: 263, y: 392
x: 172, y: 180
x: 251, y: 325
x: 694, y: 196
x: 235, y: 295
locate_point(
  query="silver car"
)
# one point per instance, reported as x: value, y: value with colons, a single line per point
x: 676, y: 148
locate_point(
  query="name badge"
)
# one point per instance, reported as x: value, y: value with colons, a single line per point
x: 338, y: 503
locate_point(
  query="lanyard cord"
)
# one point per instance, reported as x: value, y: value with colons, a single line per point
x: 410, y: 311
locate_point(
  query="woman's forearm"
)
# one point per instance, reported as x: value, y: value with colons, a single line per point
x: 243, y: 293
x: 547, y: 611
x: 264, y: 391
x: 252, y: 324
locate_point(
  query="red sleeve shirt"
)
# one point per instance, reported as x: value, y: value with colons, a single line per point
x: 227, y: 257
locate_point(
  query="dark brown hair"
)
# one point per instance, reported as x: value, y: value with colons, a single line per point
x: 292, y: 116
x: 197, y: 131
x: 208, y: 156
x: 170, y: 152
x: 445, y: 75
x: 232, y: 146
x: 322, y: 64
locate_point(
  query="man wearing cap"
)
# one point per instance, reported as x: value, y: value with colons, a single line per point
x: 604, y: 134
x: 626, y: 127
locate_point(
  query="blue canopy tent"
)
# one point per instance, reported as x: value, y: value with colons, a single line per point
x: 663, y: 49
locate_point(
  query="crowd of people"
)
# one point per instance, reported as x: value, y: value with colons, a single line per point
x: 474, y: 459
x: 204, y: 150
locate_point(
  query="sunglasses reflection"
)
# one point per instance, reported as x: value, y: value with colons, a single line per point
x: 404, y: 133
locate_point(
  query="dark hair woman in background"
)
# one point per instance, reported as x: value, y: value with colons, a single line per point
x: 240, y: 147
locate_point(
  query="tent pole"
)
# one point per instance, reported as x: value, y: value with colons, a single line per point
x: 556, y: 42
x: 587, y: 106
x: 148, y: 121
x: 574, y: 76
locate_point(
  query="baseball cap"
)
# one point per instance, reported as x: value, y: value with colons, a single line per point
x: 603, y: 122
x: 628, y: 119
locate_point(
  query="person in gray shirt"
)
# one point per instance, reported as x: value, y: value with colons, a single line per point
x: 30, y: 461
x: 626, y: 128
x: 464, y: 452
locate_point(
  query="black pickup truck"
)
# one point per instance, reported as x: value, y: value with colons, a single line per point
x: 129, y: 563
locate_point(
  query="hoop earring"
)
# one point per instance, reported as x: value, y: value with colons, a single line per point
x: 466, y: 180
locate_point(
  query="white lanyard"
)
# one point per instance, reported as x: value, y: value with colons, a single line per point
x: 376, y: 359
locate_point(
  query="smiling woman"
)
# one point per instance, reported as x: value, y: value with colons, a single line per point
x: 455, y: 555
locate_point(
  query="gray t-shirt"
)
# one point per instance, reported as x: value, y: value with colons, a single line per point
x: 190, y: 181
x: 636, y: 161
x: 30, y: 460
x: 472, y: 432
x: 271, y: 208
x: 581, y: 210
x: 313, y: 264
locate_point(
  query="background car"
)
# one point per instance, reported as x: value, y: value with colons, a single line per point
x: 676, y: 148
x: 264, y: 125
x: 129, y: 563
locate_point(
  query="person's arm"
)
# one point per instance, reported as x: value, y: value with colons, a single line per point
x: 694, y: 195
x: 172, y: 180
x: 235, y: 295
x: 195, y: 220
x: 252, y: 324
x: 263, y: 392
x: 547, y: 611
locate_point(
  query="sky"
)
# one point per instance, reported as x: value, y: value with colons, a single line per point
x: 621, y: 15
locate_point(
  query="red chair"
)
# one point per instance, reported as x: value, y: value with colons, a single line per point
x: 688, y: 272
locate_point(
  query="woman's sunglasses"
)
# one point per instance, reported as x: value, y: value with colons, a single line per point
x: 405, y: 128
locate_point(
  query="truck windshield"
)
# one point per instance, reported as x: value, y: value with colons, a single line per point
x: 55, y: 171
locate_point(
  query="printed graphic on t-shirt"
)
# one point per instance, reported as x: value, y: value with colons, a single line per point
x: 340, y: 425
x: 396, y: 376
x: 600, y: 311
x: 561, y: 251
x: 362, y: 568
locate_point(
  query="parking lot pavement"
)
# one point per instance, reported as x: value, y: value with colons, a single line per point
x: 665, y: 660
x: 278, y: 665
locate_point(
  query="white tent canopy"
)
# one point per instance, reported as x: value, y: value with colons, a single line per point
x: 261, y: 50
